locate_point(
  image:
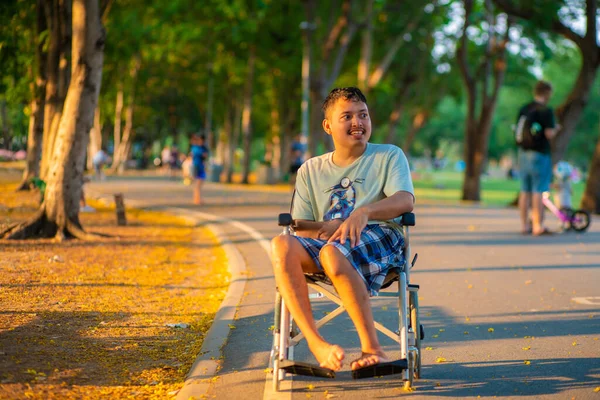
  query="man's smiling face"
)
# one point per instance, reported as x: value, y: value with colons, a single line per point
x: 349, y: 124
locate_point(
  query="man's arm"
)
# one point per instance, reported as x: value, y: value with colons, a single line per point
x: 385, y: 209
x: 389, y: 208
x: 316, y: 230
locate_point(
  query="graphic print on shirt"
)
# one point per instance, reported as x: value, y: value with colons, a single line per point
x: 342, y: 199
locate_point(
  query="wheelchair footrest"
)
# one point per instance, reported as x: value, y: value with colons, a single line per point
x: 300, y: 368
x: 381, y: 369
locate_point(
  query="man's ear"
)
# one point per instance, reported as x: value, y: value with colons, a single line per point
x: 327, y: 126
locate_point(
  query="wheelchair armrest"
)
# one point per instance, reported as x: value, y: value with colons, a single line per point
x: 285, y: 219
x: 408, y: 219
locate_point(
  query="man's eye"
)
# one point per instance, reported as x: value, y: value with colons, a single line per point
x: 363, y: 115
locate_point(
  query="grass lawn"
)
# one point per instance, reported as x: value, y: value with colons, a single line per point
x: 447, y: 186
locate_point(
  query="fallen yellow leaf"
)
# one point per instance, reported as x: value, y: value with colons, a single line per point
x: 440, y: 360
x: 490, y: 329
x: 597, y: 389
x: 574, y: 343
x: 428, y: 348
x: 231, y: 326
x: 526, y: 348
x: 526, y: 362
x: 310, y: 387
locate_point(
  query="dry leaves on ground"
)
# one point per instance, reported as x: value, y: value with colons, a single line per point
x: 89, y: 319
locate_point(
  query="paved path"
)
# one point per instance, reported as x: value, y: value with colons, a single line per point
x: 513, y: 316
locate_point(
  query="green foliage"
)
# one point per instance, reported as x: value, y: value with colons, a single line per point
x: 182, y: 44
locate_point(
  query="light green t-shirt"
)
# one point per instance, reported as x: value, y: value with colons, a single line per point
x: 325, y: 191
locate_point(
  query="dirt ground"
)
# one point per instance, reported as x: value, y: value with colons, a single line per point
x: 90, y: 320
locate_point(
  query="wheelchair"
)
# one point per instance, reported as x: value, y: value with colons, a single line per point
x: 409, y: 334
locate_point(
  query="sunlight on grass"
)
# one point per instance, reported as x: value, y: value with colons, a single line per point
x: 446, y: 186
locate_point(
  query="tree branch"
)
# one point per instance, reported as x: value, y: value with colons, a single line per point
x: 591, y: 9
x: 382, y: 68
x: 336, y: 30
x: 343, y: 49
x: 528, y: 14
x: 461, y: 51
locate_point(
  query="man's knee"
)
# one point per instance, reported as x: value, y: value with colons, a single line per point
x: 282, y: 246
x: 333, y: 261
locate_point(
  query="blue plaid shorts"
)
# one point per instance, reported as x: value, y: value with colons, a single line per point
x: 380, y: 248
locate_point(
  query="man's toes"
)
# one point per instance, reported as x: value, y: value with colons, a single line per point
x: 338, y: 353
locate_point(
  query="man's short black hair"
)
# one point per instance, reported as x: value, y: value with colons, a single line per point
x: 347, y: 93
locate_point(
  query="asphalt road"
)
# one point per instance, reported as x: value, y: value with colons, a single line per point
x: 505, y: 315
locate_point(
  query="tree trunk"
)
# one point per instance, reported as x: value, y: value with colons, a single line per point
x: 58, y: 216
x: 209, y: 110
x: 366, y: 51
x: 418, y: 122
x: 95, y: 139
x: 247, y: 115
x: 59, y: 23
x: 118, y: 123
x: 591, y: 195
x: 122, y: 150
x: 5, y: 125
x: 477, y: 130
x: 338, y: 40
x: 569, y: 112
x: 235, y: 139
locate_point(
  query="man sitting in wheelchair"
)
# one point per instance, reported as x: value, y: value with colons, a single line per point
x: 346, y: 208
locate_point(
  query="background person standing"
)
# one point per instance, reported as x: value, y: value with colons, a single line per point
x: 536, y: 126
x: 199, y: 156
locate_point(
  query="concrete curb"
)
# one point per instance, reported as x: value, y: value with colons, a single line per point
x: 198, y: 380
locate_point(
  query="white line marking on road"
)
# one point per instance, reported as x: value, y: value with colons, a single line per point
x: 588, y: 301
x: 286, y: 385
x: 197, y: 382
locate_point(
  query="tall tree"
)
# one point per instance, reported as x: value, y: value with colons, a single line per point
x: 546, y: 16
x: 58, y: 17
x: 58, y: 215
x: 571, y: 109
x: 327, y: 64
x: 37, y: 87
x: 487, y: 78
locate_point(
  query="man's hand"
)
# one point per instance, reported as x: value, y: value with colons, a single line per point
x: 351, y: 228
x: 328, y: 228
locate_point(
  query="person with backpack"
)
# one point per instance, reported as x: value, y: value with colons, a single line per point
x: 535, y: 128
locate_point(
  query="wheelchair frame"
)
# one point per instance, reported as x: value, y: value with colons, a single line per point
x: 408, y: 336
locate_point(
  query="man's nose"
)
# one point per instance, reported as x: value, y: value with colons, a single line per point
x: 356, y: 121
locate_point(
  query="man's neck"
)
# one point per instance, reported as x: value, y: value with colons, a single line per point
x: 345, y: 157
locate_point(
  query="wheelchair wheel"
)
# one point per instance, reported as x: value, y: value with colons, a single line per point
x: 416, y: 327
x: 580, y: 221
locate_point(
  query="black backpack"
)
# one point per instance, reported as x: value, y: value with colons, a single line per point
x: 529, y: 133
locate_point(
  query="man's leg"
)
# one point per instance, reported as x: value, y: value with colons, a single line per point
x: 353, y: 292
x: 290, y: 261
x: 524, y: 205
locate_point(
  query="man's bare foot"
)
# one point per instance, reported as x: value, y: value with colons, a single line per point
x: 367, y: 359
x: 328, y: 355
